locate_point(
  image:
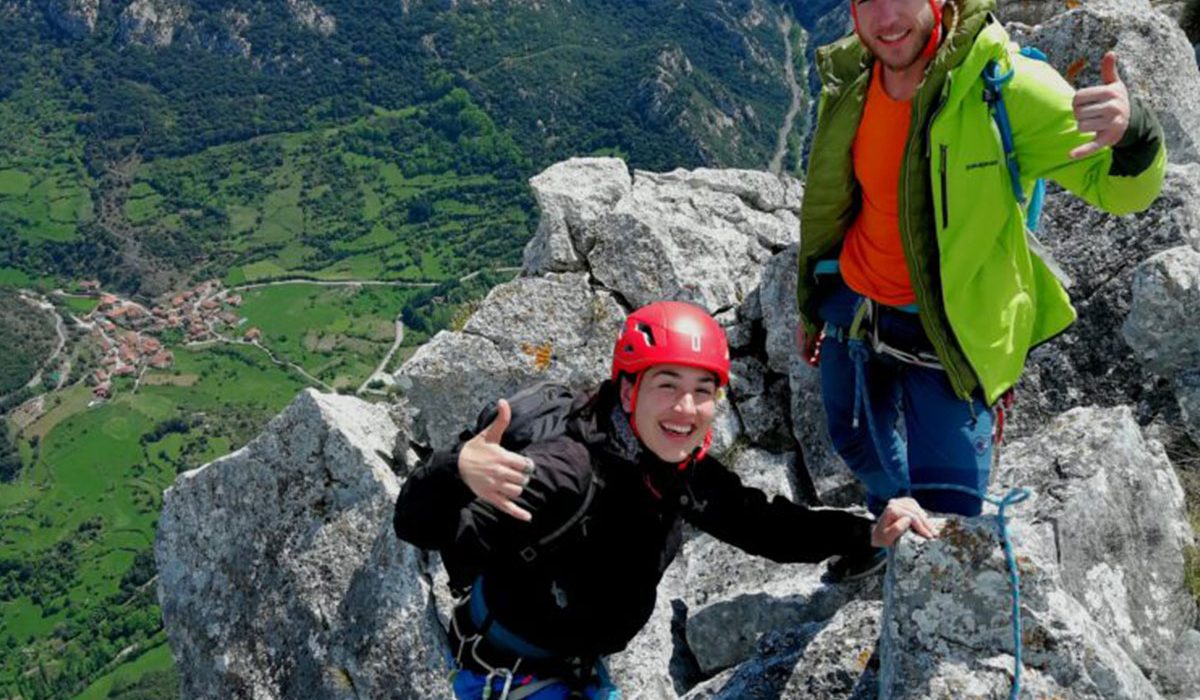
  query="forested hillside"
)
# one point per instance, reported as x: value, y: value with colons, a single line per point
x: 151, y: 142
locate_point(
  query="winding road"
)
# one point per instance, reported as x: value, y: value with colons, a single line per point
x: 386, y: 359
x: 789, y: 67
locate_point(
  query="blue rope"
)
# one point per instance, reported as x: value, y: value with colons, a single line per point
x: 859, y: 353
x: 1013, y: 497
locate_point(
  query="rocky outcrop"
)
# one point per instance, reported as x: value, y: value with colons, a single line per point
x: 312, y: 17
x: 1155, y: 60
x: 280, y: 577
x: 1161, y: 326
x: 75, y: 18
x: 152, y: 23
x: 556, y: 328
x: 1102, y: 590
x: 279, y: 573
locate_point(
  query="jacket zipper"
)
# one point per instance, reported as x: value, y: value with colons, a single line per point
x: 945, y: 197
x: 924, y: 295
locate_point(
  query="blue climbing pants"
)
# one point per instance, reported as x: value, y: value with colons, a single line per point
x: 469, y: 685
x: 927, y: 434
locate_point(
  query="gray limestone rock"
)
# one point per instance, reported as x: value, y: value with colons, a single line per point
x: 573, y: 196
x: 746, y: 376
x: 734, y: 599
x: 671, y: 240
x: 1111, y: 511
x: 1091, y: 362
x: 1162, y: 326
x: 657, y: 665
x: 760, y: 189
x: 769, y: 472
x: 279, y: 573
x: 555, y: 328
x: 152, y: 22
x: 1187, y: 393
x: 1100, y: 551
x: 728, y: 434
x: 765, y: 416
x: 947, y: 626
x: 832, y: 659
x: 1179, y: 677
x: 1156, y: 61
x: 835, y: 484
x: 779, y: 312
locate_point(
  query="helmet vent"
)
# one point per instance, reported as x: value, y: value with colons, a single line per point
x: 645, y: 330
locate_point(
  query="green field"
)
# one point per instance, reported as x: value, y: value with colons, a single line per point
x: 152, y: 675
x: 338, y: 334
x: 78, y: 523
x: 44, y: 186
x: 420, y: 194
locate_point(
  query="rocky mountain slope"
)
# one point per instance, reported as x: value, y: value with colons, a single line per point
x: 280, y: 575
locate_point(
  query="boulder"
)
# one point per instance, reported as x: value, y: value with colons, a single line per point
x: 832, y: 659
x: 555, y: 328
x: 947, y: 625
x: 1100, y: 551
x: 1091, y: 362
x: 573, y: 196
x: 280, y: 575
x: 1156, y: 61
x: 734, y: 599
x: 671, y: 240
x: 1162, y: 326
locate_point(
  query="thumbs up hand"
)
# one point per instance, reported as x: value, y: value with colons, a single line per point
x: 493, y: 473
x: 1102, y: 110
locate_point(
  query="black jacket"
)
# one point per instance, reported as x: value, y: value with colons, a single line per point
x: 591, y: 591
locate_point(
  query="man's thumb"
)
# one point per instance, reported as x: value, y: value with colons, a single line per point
x: 499, y: 424
x: 1108, y: 68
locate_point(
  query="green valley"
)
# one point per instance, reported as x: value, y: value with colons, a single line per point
x: 344, y: 181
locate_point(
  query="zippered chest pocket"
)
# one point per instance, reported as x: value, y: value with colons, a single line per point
x: 943, y: 172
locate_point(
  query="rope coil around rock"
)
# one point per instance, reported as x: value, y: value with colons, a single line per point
x: 859, y: 353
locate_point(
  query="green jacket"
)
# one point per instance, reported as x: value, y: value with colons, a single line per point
x: 985, y: 299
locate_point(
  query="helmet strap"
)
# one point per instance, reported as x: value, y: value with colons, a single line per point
x: 700, y: 452
x: 935, y: 36
x: 633, y: 397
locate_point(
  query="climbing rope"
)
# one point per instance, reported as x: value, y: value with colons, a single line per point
x: 1013, y: 497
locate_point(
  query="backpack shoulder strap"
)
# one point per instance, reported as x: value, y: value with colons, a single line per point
x: 994, y: 80
x: 578, y: 519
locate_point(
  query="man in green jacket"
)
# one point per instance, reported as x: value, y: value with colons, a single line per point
x: 919, y: 294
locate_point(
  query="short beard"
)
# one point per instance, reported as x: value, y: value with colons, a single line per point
x: 908, y: 61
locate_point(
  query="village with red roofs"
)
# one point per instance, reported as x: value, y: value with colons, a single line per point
x: 128, y: 335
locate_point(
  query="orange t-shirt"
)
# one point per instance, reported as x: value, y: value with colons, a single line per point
x: 872, y: 260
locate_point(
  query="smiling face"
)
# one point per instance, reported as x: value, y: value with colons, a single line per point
x: 675, y: 408
x: 895, y: 31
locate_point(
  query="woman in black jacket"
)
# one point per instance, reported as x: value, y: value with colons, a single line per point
x: 559, y: 547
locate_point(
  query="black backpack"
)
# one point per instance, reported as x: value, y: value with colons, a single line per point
x: 540, y: 411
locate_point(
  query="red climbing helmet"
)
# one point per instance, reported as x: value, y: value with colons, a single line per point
x: 671, y: 333
x: 935, y: 37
